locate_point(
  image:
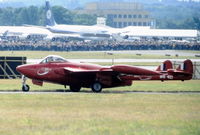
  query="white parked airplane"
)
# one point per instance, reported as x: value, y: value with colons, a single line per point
x: 94, y: 32
x: 85, y: 32
x: 23, y: 32
x: 54, y: 31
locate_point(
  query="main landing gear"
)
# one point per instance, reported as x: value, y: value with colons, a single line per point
x: 25, y: 87
x: 96, y: 87
x: 75, y: 88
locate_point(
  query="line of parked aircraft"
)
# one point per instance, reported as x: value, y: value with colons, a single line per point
x: 53, y: 31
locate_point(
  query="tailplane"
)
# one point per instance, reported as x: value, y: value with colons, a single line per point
x: 49, y: 16
x: 165, y: 66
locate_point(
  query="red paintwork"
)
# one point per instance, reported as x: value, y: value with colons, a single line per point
x: 84, y: 74
x: 165, y: 65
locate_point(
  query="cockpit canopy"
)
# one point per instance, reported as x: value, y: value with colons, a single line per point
x: 53, y: 58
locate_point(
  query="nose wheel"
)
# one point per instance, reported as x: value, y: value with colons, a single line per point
x: 25, y: 87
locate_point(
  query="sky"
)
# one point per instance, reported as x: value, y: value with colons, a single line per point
x: 68, y: 0
x: 64, y: 2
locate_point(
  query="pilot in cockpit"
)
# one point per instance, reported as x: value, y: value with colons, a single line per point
x: 50, y: 59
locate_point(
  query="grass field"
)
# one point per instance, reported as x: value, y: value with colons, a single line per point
x: 90, y: 55
x: 114, y: 112
x: 99, y: 114
x: 192, y: 85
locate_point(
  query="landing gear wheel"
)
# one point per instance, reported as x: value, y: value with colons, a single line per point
x: 25, y: 88
x: 96, y: 87
x: 74, y: 88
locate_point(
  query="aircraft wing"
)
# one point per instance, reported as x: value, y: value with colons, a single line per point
x: 85, y: 73
x: 104, y: 75
x: 116, y: 69
x: 79, y: 70
x: 34, y: 26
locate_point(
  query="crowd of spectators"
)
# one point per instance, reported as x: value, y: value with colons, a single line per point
x: 97, y: 45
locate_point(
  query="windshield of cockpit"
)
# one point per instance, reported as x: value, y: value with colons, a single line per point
x: 53, y: 59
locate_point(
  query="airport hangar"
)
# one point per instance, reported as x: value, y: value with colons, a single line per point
x: 119, y: 14
x: 136, y: 19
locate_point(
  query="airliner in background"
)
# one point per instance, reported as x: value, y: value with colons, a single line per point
x: 94, y: 32
x: 23, y: 33
x: 57, y: 32
x: 53, y: 31
x: 62, y: 32
x: 36, y: 33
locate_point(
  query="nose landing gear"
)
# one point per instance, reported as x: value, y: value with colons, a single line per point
x: 25, y: 87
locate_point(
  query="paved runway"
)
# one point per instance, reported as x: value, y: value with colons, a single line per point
x: 159, y: 52
x: 153, y: 52
x: 90, y: 92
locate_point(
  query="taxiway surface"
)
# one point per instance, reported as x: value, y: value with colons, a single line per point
x: 103, y: 92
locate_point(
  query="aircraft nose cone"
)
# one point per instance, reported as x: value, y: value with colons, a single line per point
x: 19, y: 69
x: 27, y: 70
x: 22, y: 69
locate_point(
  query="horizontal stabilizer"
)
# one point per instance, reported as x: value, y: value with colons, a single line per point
x: 178, y: 72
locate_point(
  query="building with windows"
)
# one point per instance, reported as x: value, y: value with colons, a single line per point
x: 119, y: 14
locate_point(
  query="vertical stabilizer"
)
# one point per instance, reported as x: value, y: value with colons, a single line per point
x: 186, y: 66
x: 165, y: 66
x: 49, y: 16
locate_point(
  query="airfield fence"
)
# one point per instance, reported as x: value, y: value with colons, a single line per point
x: 196, y: 68
x: 8, y: 67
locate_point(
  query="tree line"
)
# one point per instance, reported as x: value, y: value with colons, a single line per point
x: 166, y: 16
x: 181, y: 16
x: 36, y: 16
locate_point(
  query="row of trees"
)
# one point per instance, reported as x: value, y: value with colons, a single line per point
x: 183, y: 16
x: 175, y: 17
x: 36, y: 16
x: 19, y: 16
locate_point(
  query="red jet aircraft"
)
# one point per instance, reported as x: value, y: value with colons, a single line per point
x: 56, y: 69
